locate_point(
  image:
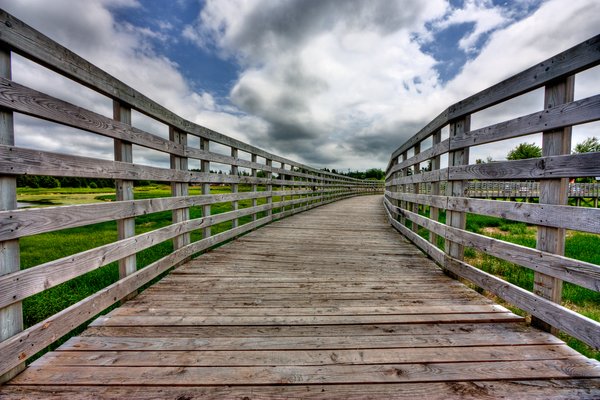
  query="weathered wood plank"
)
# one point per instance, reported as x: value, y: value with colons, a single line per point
x: 305, y: 357
x: 563, y: 389
x: 554, y: 117
x: 567, y: 166
x: 11, y: 317
x: 322, y: 374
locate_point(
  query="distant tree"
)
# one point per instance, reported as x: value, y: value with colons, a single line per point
x: 589, y: 145
x: 524, y: 151
x: 486, y: 161
x: 375, y: 173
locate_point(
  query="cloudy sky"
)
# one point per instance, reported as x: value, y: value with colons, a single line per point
x: 332, y: 83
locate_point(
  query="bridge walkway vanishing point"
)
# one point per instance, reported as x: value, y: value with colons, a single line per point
x: 332, y: 303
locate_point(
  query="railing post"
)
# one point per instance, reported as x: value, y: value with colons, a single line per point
x: 416, y: 170
x: 434, y: 212
x: 457, y: 219
x: 234, y: 186
x: 179, y: 188
x: 205, y: 167
x: 403, y: 173
x: 269, y: 187
x: 553, y: 191
x: 124, y: 190
x: 254, y: 185
x: 11, y: 317
x: 282, y: 186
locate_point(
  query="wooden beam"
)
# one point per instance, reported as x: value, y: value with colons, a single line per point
x: 125, y: 226
x: 205, y: 168
x: 553, y: 191
x: 234, y: 186
x: 11, y: 317
x: 455, y: 188
x: 179, y: 189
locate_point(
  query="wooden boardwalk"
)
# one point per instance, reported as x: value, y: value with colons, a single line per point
x: 332, y: 303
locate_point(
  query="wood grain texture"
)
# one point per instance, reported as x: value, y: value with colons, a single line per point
x: 313, y: 312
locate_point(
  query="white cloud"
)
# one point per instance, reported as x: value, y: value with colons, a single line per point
x: 89, y: 29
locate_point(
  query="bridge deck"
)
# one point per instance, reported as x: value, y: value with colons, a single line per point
x: 332, y: 303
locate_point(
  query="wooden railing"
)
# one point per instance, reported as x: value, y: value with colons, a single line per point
x: 295, y: 186
x: 414, y: 201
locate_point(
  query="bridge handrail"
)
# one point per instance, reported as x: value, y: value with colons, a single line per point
x: 298, y: 186
x: 414, y: 196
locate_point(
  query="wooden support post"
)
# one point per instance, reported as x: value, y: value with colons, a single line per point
x: 416, y: 170
x: 205, y: 167
x: 234, y: 186
x: 553, y: 191
x: 179, y: 188
x: 124, y: 189
x: 434, y: 212
x: 269, y: 187
x: 457, y: 219
x: 11, y: 317
x: 254, y: 185
x: 282, y: 186
x: 403, y: 172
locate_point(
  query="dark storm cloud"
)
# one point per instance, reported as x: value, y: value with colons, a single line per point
x: 288, y: 24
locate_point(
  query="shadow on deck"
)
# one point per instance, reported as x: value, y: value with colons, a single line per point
x: 332, y: 303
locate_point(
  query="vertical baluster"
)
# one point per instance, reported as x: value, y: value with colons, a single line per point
x: 11, y: 317
x: 124, y: 190
x: 205, y: 167
x: 553, y: 191
x: 179, y: 188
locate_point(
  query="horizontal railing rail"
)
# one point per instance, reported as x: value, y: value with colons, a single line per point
x: 272, y: 187
x: 417, y: 195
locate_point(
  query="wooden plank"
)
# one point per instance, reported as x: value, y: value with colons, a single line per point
x: 322, y: 374
x: 234, y: 186
x: 276, y: 341
x: 404, y: 335
x: 179, y: 189
x: 304, y: 311
x: 306, y: 319
x: 205, y: 168
x: 431, y: 176
x: 305, y: 357
x: 124, y: 190
x: 11, y: 317
x: 559, y: 216
x: 438, y: 148
x: 40, y: 105
x: 553, y: 191
x: 32, y: 221
x: 552, y: 117
x: 456, y: 159
x: 563, y: 389
x: 567, y: 166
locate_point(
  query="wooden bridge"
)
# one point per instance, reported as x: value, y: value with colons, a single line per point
x: 309, y: 291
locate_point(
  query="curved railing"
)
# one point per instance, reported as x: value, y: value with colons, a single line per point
x: 276, y: 187
x: 414, y: 199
